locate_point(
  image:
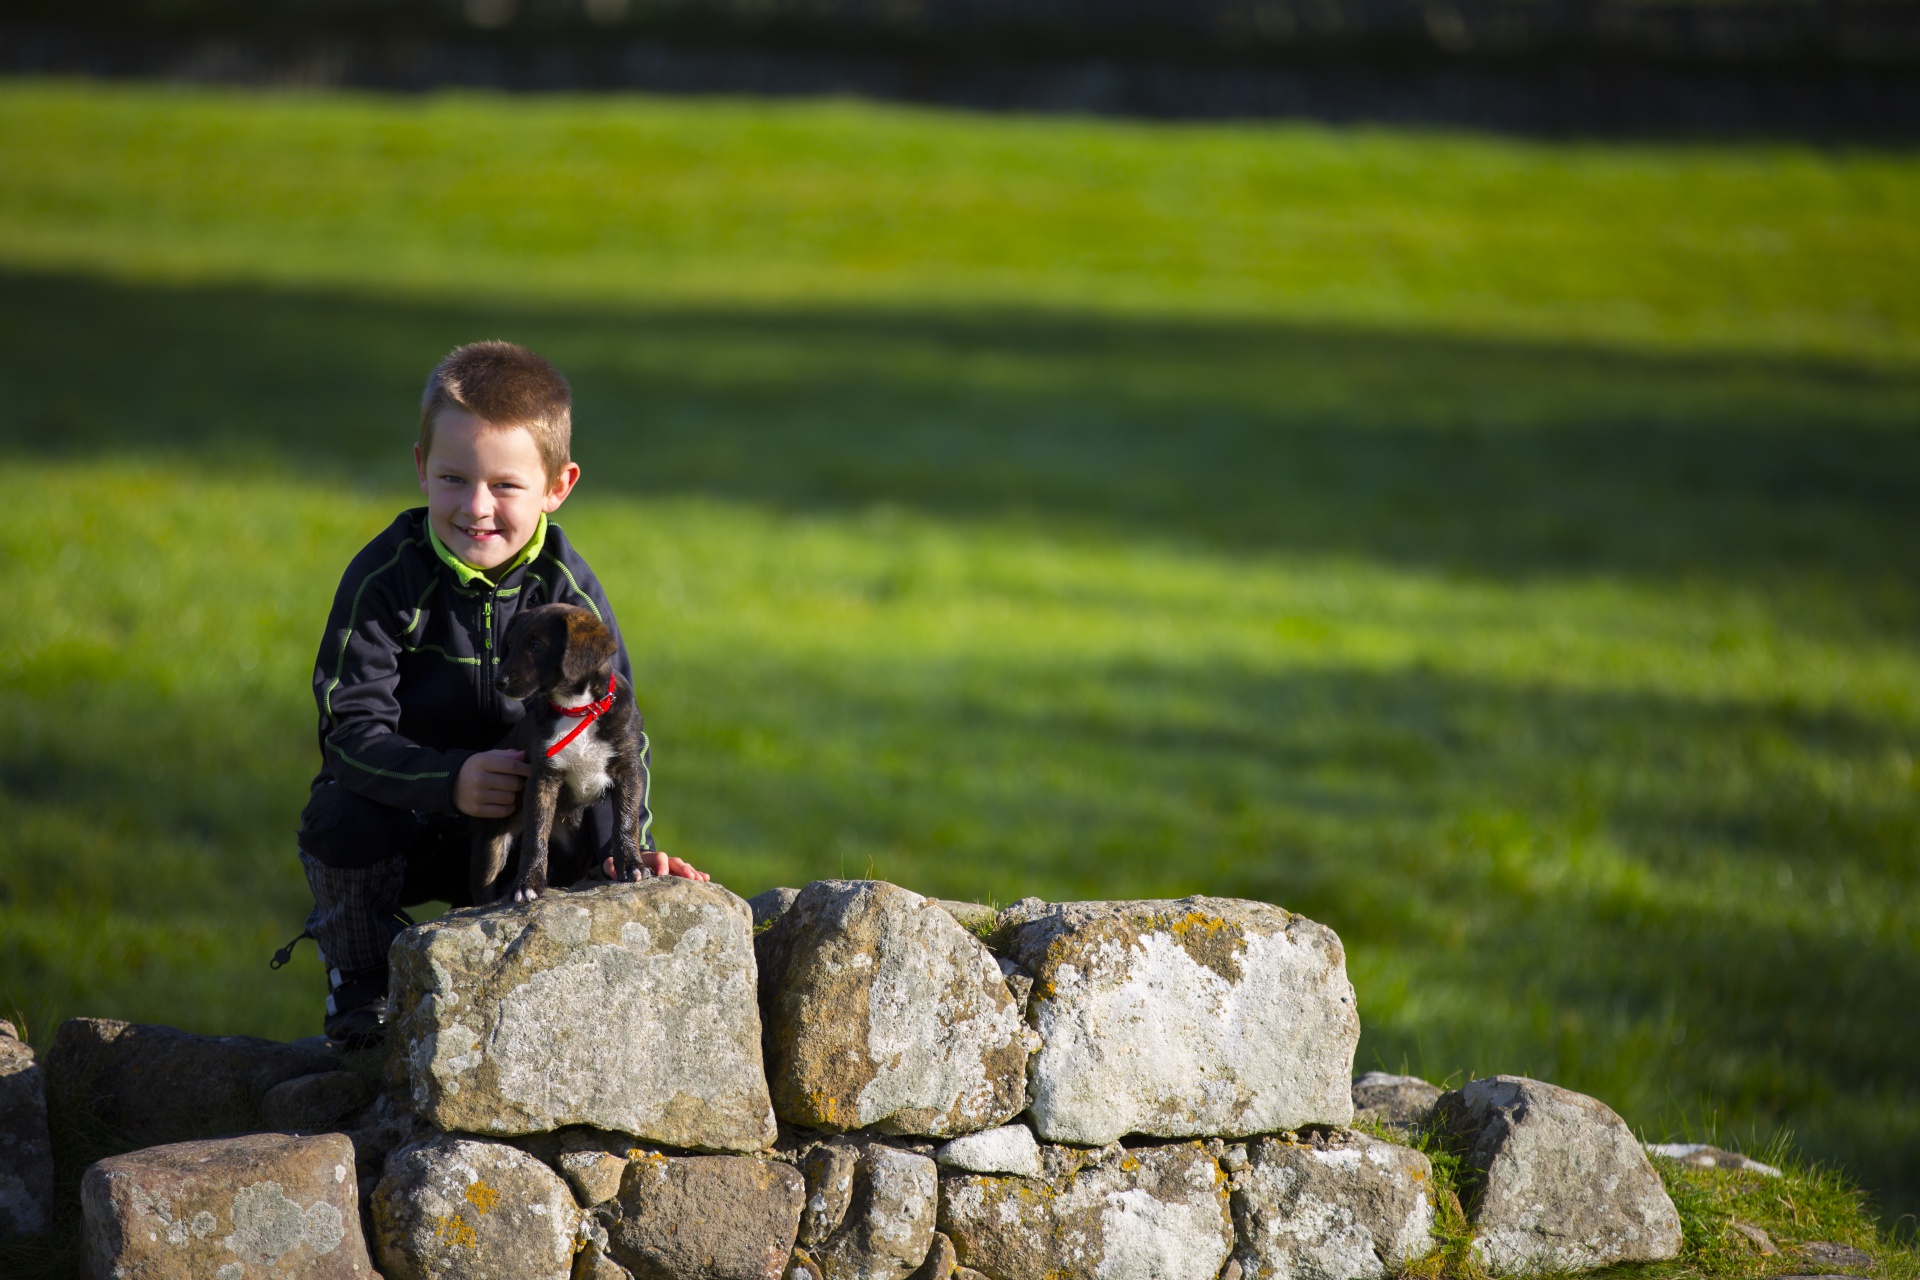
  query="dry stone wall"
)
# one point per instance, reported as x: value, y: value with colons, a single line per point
x: 845, y: 1082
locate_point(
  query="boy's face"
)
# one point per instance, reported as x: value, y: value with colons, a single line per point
x: 486, y: 487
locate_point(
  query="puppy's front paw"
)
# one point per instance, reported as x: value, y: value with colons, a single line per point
x: 530, y: 888
x: 628, y: 869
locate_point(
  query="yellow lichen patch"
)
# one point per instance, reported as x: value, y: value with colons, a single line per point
x: 482, y: 1196
x: 1196, y: 920
x: 455, y: 1231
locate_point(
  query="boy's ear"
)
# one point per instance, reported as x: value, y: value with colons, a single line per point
x: 589, y: 647
x: 558, y: 489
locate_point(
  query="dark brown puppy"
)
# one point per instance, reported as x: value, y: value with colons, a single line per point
x: 580, y: 735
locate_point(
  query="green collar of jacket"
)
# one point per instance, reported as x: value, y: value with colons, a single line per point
x: 469, y: 575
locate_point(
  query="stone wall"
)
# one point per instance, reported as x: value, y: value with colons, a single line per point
x: 849, y: 1082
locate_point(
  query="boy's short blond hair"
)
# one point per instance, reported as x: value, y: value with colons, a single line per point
x: 504, y: 385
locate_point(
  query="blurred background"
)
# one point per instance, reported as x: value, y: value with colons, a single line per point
x: 1449, y: 467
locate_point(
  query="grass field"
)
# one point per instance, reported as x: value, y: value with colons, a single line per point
x: 1504, y: 553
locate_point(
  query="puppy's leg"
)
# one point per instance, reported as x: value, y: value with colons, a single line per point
x: 492, y: 847
x: 539, y: 798
x: 626, y: 815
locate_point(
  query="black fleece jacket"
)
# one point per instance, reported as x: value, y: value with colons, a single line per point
x: 404, y: 679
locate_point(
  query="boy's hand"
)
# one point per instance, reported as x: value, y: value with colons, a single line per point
x: 661, y: 865
x: 489, y: 783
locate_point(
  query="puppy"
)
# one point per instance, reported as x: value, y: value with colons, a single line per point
x: 582, y: 737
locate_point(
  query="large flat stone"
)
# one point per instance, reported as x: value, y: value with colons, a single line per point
x: 1332, y: 1206
x: 882, y: 1012
x: 452, y: 1208
x: 130, y: 1086
x: 628, y: 1007
x: 1156, y: 1213
x: 706, y: 1218
x: 243, y: 1208
x: 1567, y: 1187
x: 1203, y: 1016
x: 26, y: 1150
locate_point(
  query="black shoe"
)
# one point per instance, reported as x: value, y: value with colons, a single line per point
x: 357, y: 1007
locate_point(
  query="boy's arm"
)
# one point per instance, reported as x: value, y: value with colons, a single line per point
x: 577, y: 584
x: 355, y: 680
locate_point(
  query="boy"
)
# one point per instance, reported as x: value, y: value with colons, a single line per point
x: 409, y: 716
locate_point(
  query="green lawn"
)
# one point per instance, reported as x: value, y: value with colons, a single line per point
x: 1505, y: 553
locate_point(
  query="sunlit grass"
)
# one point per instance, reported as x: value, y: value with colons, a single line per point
x: 1786, y: 249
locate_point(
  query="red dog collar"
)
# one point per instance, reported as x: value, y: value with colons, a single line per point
x: 588, y: 714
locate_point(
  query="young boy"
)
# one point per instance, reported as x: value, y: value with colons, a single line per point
x: 409, y: 716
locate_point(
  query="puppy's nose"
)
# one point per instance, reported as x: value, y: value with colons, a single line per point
x: 500, y: 683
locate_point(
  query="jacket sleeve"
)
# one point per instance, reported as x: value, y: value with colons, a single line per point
x: 355, y: 680
x: 578, y: 585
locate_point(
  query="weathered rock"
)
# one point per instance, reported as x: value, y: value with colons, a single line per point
x: 706, y: 1218
x: 769, y: 905
x: 1332, y: 1206
x: 883, y: 1013
x: 1008, y: 1149
x: 132, y: 1086
x: 626, y: 1006
x: 828, y: 1169
x: 1155, y: 1213
x: 328, y: 1100
x: 256, y: 1206
x: 594, y: 1262
x: 1176, y: 1019
x: 592, y: 1161
x: 1702, y: 1156
x: 453, y: 1208
x: 1398, y: 1102
x: 888, y: 1225
x: 1566, y: 1185
x: 26, y: 1150
x: 594, y: 1175
x: 940, y: 1261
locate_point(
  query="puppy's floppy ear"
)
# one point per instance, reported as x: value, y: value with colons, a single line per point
x: 589, y: 647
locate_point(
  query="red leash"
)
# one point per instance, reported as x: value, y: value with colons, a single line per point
x: 588, y: 714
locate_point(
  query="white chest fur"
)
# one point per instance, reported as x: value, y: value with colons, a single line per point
x: 583, y: 762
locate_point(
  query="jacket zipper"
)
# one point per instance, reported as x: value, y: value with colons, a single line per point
x: 493, y: 694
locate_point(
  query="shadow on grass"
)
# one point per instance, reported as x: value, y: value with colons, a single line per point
x: 1481, y: 457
